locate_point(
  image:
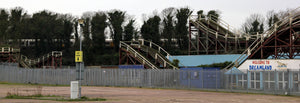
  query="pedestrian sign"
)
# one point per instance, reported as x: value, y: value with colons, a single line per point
x: 78, y: 56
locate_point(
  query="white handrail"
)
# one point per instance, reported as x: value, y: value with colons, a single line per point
x: 31, y: 62
x: 168, y: 56
x: 165, y: 62
x: 138, y: 55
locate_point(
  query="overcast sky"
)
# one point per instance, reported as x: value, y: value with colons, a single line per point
x: 233, y: 12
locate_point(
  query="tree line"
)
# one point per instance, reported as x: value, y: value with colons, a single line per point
x: 52, y: 31
x: 59, y: 32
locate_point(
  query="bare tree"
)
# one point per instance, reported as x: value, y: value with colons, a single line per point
x: 272, y: 18
x: 253, y: 24
x: 168, y: 26
x: 168, y: 11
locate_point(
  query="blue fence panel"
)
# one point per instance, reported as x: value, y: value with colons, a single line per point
x: 131, y: 67
x: 202, y: 77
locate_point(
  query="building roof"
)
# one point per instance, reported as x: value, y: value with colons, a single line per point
x: 195, y: 60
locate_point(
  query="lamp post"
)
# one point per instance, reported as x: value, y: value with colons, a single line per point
x: 79, y: 57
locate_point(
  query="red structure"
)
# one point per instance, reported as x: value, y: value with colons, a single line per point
x: 207, y: 36
x: 282, y: 42
x: 9, y: 55
x: 126, y: 57
x: 50, y: 60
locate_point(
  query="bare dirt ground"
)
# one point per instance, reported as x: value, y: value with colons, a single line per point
x: 142, y: 95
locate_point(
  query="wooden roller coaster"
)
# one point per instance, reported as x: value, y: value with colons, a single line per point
x: 208, y: 36
x: 12, y: 55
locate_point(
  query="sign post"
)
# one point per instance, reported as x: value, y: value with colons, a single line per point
x: 79, y: 70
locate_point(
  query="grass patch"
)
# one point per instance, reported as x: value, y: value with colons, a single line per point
x: 84, y: 98
x: 7, y: 83
x: 51, y: 97
x: 15, y: 96
x: 35, y: 84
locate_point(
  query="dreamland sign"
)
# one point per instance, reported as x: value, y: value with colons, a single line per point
x: 270, y: 64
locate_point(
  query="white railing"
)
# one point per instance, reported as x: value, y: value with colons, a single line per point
x: 199, y: 24
x: 161, y: 51
x: 220, y: 24
x: 30, y: 62
x: 137, y: 55
x: 8, y: 49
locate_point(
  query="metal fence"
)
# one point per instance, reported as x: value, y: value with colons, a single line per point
x: 271, y: 82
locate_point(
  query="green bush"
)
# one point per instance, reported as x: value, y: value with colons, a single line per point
x: 220, y: 65
x: 175, y: 62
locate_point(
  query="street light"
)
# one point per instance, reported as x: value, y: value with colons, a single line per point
x: 81, y: 24
x: 79, y: 57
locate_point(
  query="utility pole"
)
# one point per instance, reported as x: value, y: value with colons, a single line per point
x: 79, y: 57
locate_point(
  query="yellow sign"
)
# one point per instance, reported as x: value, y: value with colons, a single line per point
x: 78, y: 56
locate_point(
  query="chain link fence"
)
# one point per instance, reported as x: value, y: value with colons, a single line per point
x: 285, y: 82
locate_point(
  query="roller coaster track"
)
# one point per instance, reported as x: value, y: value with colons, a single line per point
x: 137, y: 49
x: 52, y: 59
x: 283, y: 34
x: 216, y: 36
x: 8, y: 54
x: 44, y: 60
